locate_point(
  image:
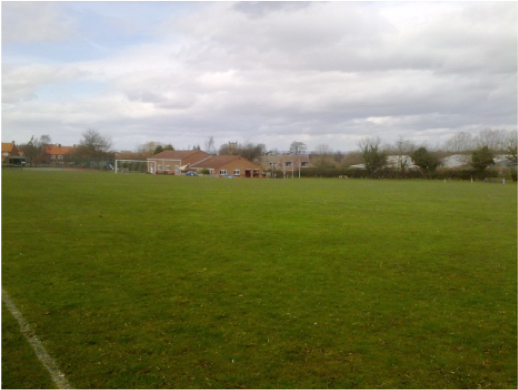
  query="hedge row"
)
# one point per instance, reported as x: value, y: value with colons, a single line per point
x: 449, y: 174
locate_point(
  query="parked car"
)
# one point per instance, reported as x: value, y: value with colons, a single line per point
x: 190, y: 173
x: 228, y: 176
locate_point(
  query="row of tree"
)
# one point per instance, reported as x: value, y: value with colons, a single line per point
x: 375, y: 157
x: 93, y: 150
x: 34, y: 150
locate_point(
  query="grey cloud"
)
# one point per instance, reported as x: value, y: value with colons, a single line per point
x: 316, y: 72
x: 34, y: 21
x: 353, y: 37
x: 256, y: 9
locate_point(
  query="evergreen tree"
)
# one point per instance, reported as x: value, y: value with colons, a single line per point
x: 482, y: 158
x: 373, y: 157
x: 427, y: 161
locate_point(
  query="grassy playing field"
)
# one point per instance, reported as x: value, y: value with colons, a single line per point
x: 140, y: 281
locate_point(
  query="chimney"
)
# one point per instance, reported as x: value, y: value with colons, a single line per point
x: 14, y: 143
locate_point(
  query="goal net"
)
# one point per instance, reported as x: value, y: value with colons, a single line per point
x: 131, y: 166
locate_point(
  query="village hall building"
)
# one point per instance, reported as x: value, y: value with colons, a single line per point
x: 178, y: 161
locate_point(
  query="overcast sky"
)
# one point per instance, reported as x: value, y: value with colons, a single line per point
x: 269, y: 72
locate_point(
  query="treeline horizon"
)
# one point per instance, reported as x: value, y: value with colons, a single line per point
x: 95, y: 147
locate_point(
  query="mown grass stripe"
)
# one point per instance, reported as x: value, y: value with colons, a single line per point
x: 40, y: 351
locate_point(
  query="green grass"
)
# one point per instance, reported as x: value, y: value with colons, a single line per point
x: 21, y: 369
x: 179, y: 282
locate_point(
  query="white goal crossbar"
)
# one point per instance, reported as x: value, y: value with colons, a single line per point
x: 116, y: 170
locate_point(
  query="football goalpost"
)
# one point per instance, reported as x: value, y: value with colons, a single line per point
x: 131, y: 166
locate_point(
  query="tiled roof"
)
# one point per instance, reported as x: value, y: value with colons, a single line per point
x: 175, y: 154
x: 215, y: 161
x: 58, y: 149
x: 7, y: 146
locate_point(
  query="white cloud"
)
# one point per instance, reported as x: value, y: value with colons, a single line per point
x: 276, y: 72
x: 21, y: 83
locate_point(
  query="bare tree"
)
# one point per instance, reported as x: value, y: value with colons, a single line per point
x: 322, y: 151
x: 338, y: 156
x: 250, y: 151
x: 351, y: 158
x: 149, y: 147
x: 298, y: 147
x: 512, y: 139
x: 404, y: 148
x: 42, y: 144
x: 493, y: 139
x: 512, y: 148
x: 45, y: 140
x: 229, y: 149
x: 93, y: 140
x: 93, y: 148
x: 460, y: 142
x: 35, y: 150
x: 31, y: 150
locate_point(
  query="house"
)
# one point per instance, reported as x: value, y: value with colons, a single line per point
x: 393, y: 162
x: 456, y: 161
x: 462, y: 161
x: 57, y: 153
x: 174, y: 161
x: 9, y: 150
x: 285, y: 162
x: 503, y: 160
x: 232, y: 165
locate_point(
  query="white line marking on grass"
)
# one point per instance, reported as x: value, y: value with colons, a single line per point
x: 45, y: 359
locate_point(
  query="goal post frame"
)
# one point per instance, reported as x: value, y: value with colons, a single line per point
x: 131, y: 161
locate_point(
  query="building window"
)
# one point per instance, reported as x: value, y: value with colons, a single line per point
x: 288, y: 163
x: 60, y: 157
x: 168, y: 168
x: 5, y: 154
x: 159, y: 167
x: 237, y: 172
x: 304, y: 164
x: 176, y: 168
x: 223, y: 172
x: 52, y: 157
